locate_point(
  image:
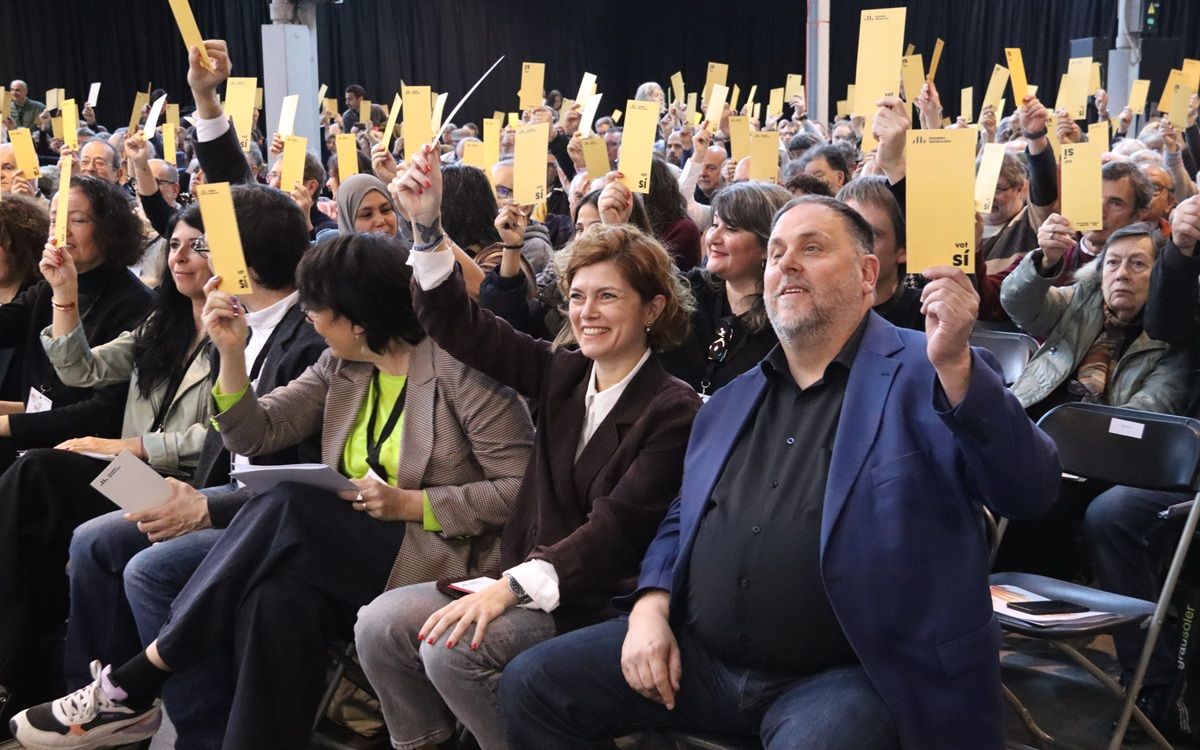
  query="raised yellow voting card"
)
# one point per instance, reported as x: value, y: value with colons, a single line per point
x: 393, y: 114
x: 188, y: 29
x: 936, y: 59
x: 347, y: 154
x: 1017, y: 75
x: 533, y: 75
x: 224, y: 241
x: 529, y: 163
x: 595, y: 156
x: 716, y: 75
x: 23, y: 150
x: 418, y: 111
x: 637, y: 145
x: 239, y: 105
x: 739, y: 136
x: 940, y: 198
x: 292, y: 172
x: 70, y: 118
x: 1082, y: 201
x: 764, y: 156
x: 987, y: 176
x: 60, y: 215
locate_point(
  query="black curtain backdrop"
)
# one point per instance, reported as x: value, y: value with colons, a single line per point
x: 448, y: 45
x: 128, y: 44
x: 976, y: 34
x: 125, y: 44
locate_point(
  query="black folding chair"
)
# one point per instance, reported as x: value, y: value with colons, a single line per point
x: 1126, y: 447
x: 1014, y: 350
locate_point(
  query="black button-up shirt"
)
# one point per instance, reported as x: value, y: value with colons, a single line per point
x: 755, y: 596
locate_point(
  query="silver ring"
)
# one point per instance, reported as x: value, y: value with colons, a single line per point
x: 359, y: 498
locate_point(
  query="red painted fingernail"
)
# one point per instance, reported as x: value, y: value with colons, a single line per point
x: 431, y: 641
x: 428, y: 184
x: 449, y: 644
x: 420, y: 637
x: 474, y: 646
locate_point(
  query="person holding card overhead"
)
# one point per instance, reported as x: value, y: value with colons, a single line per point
x: 104, y: 237
x: 825, y: 552
x: 612, y: 427
x: 126, y: 569
x: 162, y: 367
x: 1096, y: 350
x: 730, y: 332
x: 436, y: 450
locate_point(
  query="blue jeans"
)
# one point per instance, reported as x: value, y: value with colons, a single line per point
x: 1130, y: 547
x: 122, y: 587
x: 569, y: 692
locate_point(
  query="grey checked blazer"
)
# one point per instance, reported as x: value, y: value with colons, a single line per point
x: 466, y: 441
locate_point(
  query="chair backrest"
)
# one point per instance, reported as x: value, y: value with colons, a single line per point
x: 1014, y: 350
x: 1126, y: 446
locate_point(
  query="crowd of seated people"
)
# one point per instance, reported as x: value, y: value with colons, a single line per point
x: 704, y: 458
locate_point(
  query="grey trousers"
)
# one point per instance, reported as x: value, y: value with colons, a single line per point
x: 422, y: 688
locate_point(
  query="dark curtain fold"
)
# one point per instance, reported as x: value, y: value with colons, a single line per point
x: 125, y: 44
x: 448, y: 45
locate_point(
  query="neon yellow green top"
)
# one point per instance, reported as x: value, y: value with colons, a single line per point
x: 354, y: 455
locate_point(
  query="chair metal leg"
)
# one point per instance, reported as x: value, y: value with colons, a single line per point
x: 1160, y: 614
x: 1001, y: 527
x: 327, y: 698
x: 1040, y: 736
x: 1115, y: 688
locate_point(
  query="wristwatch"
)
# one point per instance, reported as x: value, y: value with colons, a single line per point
x: 518, y: 590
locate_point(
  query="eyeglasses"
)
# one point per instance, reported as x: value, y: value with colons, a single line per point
x: 1004, y: 188
x: 200, y: 246
x: 718, y: 350
x: 1158, y: 189
x: 503, y: 191
x: 165, y: 182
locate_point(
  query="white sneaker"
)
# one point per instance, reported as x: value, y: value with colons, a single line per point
x: 87, y: 718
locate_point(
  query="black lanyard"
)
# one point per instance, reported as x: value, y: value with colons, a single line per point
x: 173, y: 388
x: 374, y: 446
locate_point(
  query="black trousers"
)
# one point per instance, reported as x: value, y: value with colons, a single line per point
x: 44, y: 495
x: 285, y: 579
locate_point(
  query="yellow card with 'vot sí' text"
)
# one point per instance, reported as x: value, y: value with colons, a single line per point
x: 529, y: 163
x: 637, y: 145
x: 221, y: 234
x: 941, y: 198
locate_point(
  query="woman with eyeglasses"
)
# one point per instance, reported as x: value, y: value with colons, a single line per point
x: 435, y: 449
x: 163, y: 368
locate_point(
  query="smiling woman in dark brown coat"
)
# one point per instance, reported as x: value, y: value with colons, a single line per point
x: 612, y: 428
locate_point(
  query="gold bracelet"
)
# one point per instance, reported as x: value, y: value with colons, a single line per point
x: 65, y: 308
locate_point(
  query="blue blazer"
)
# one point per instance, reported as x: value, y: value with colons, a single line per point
x: 904, y: 557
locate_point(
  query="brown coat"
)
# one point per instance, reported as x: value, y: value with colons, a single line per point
x: 480, y: 429
x: 592, y: 518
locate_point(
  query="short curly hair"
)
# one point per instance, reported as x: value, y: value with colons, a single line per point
x: 24, y: 226
x: 648, y: 268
